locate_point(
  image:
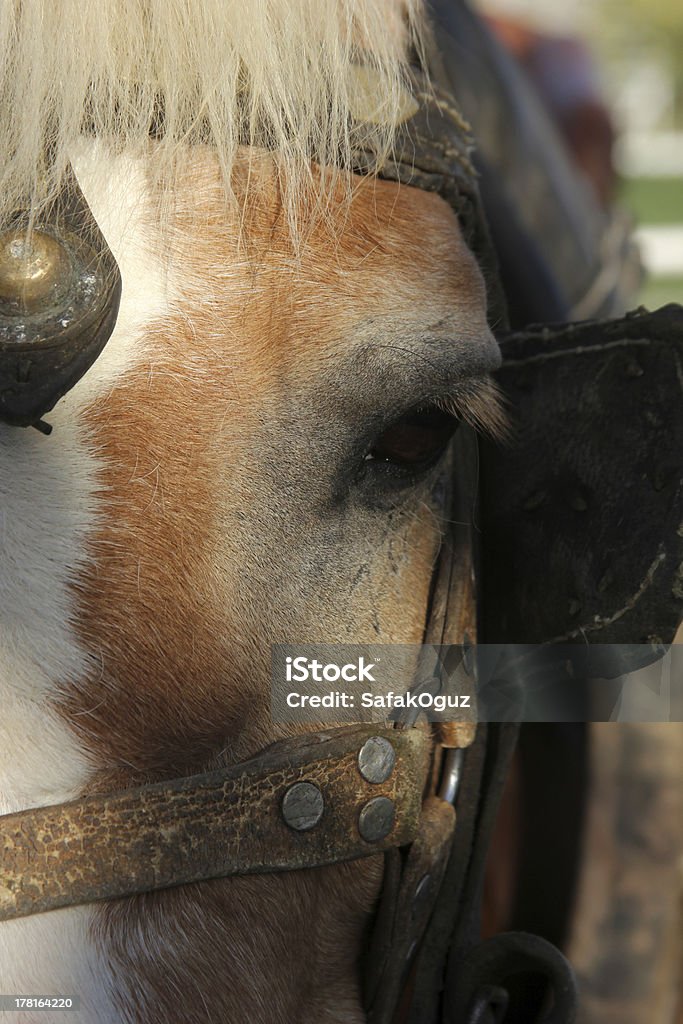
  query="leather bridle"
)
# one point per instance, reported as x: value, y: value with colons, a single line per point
x: 60, y: 288
x: 52, y: 856
x: 310, y: 800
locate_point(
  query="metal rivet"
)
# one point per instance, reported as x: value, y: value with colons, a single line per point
x: 376, y: 759
x: 365, y: 88
x: 376, y: 819
x: 33, y: 271
x: 302, y: 806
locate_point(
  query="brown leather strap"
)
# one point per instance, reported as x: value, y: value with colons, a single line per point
x: 433, y: 152
x: 207, y: 826
x: 419, y: 884
x: 413, y: 882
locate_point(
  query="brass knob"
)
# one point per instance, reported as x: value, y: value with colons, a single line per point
x: 34, y: 271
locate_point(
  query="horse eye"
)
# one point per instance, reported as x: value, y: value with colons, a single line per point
x: 416, y: 440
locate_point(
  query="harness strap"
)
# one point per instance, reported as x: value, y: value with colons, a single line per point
x: 432, y: 152
x: 420, y: 883
x: 413, y: 882
x: 302, y: 803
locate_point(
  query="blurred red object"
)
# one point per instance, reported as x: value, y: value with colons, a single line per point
x: 564, y: 73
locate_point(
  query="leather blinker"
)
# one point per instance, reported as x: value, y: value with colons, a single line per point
x: 60, y: 289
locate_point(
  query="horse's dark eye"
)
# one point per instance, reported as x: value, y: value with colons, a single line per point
x: 416, y: 440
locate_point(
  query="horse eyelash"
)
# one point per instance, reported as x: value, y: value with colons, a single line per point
x: 483, y: 406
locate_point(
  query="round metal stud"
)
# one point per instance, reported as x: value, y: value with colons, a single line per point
x: 365, y: 92
x: 303, y: 806
x: 33, y: 271
x: 376, y: 759
x: 376, y: 819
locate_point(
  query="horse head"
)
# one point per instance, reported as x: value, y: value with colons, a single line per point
x: 256, y: 455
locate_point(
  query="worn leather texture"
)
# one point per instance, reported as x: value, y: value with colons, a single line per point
x: 413, y: 893
x: 433, y: 152
x: 207, y: 826
x: 413, y: 901
x: 582, y: 512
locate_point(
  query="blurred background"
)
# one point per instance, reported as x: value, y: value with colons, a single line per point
x: 611, y: 74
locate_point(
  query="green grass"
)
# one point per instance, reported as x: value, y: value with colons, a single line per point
x: 653, y: 200
x: 657, y: 291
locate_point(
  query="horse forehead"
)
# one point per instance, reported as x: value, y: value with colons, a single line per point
x: 405, y: 246
x: 392, y: 250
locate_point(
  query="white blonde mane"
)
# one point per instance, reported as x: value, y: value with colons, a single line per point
x: 278, y: 74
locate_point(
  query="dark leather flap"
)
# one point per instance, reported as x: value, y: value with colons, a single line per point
x: 581, y: 513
